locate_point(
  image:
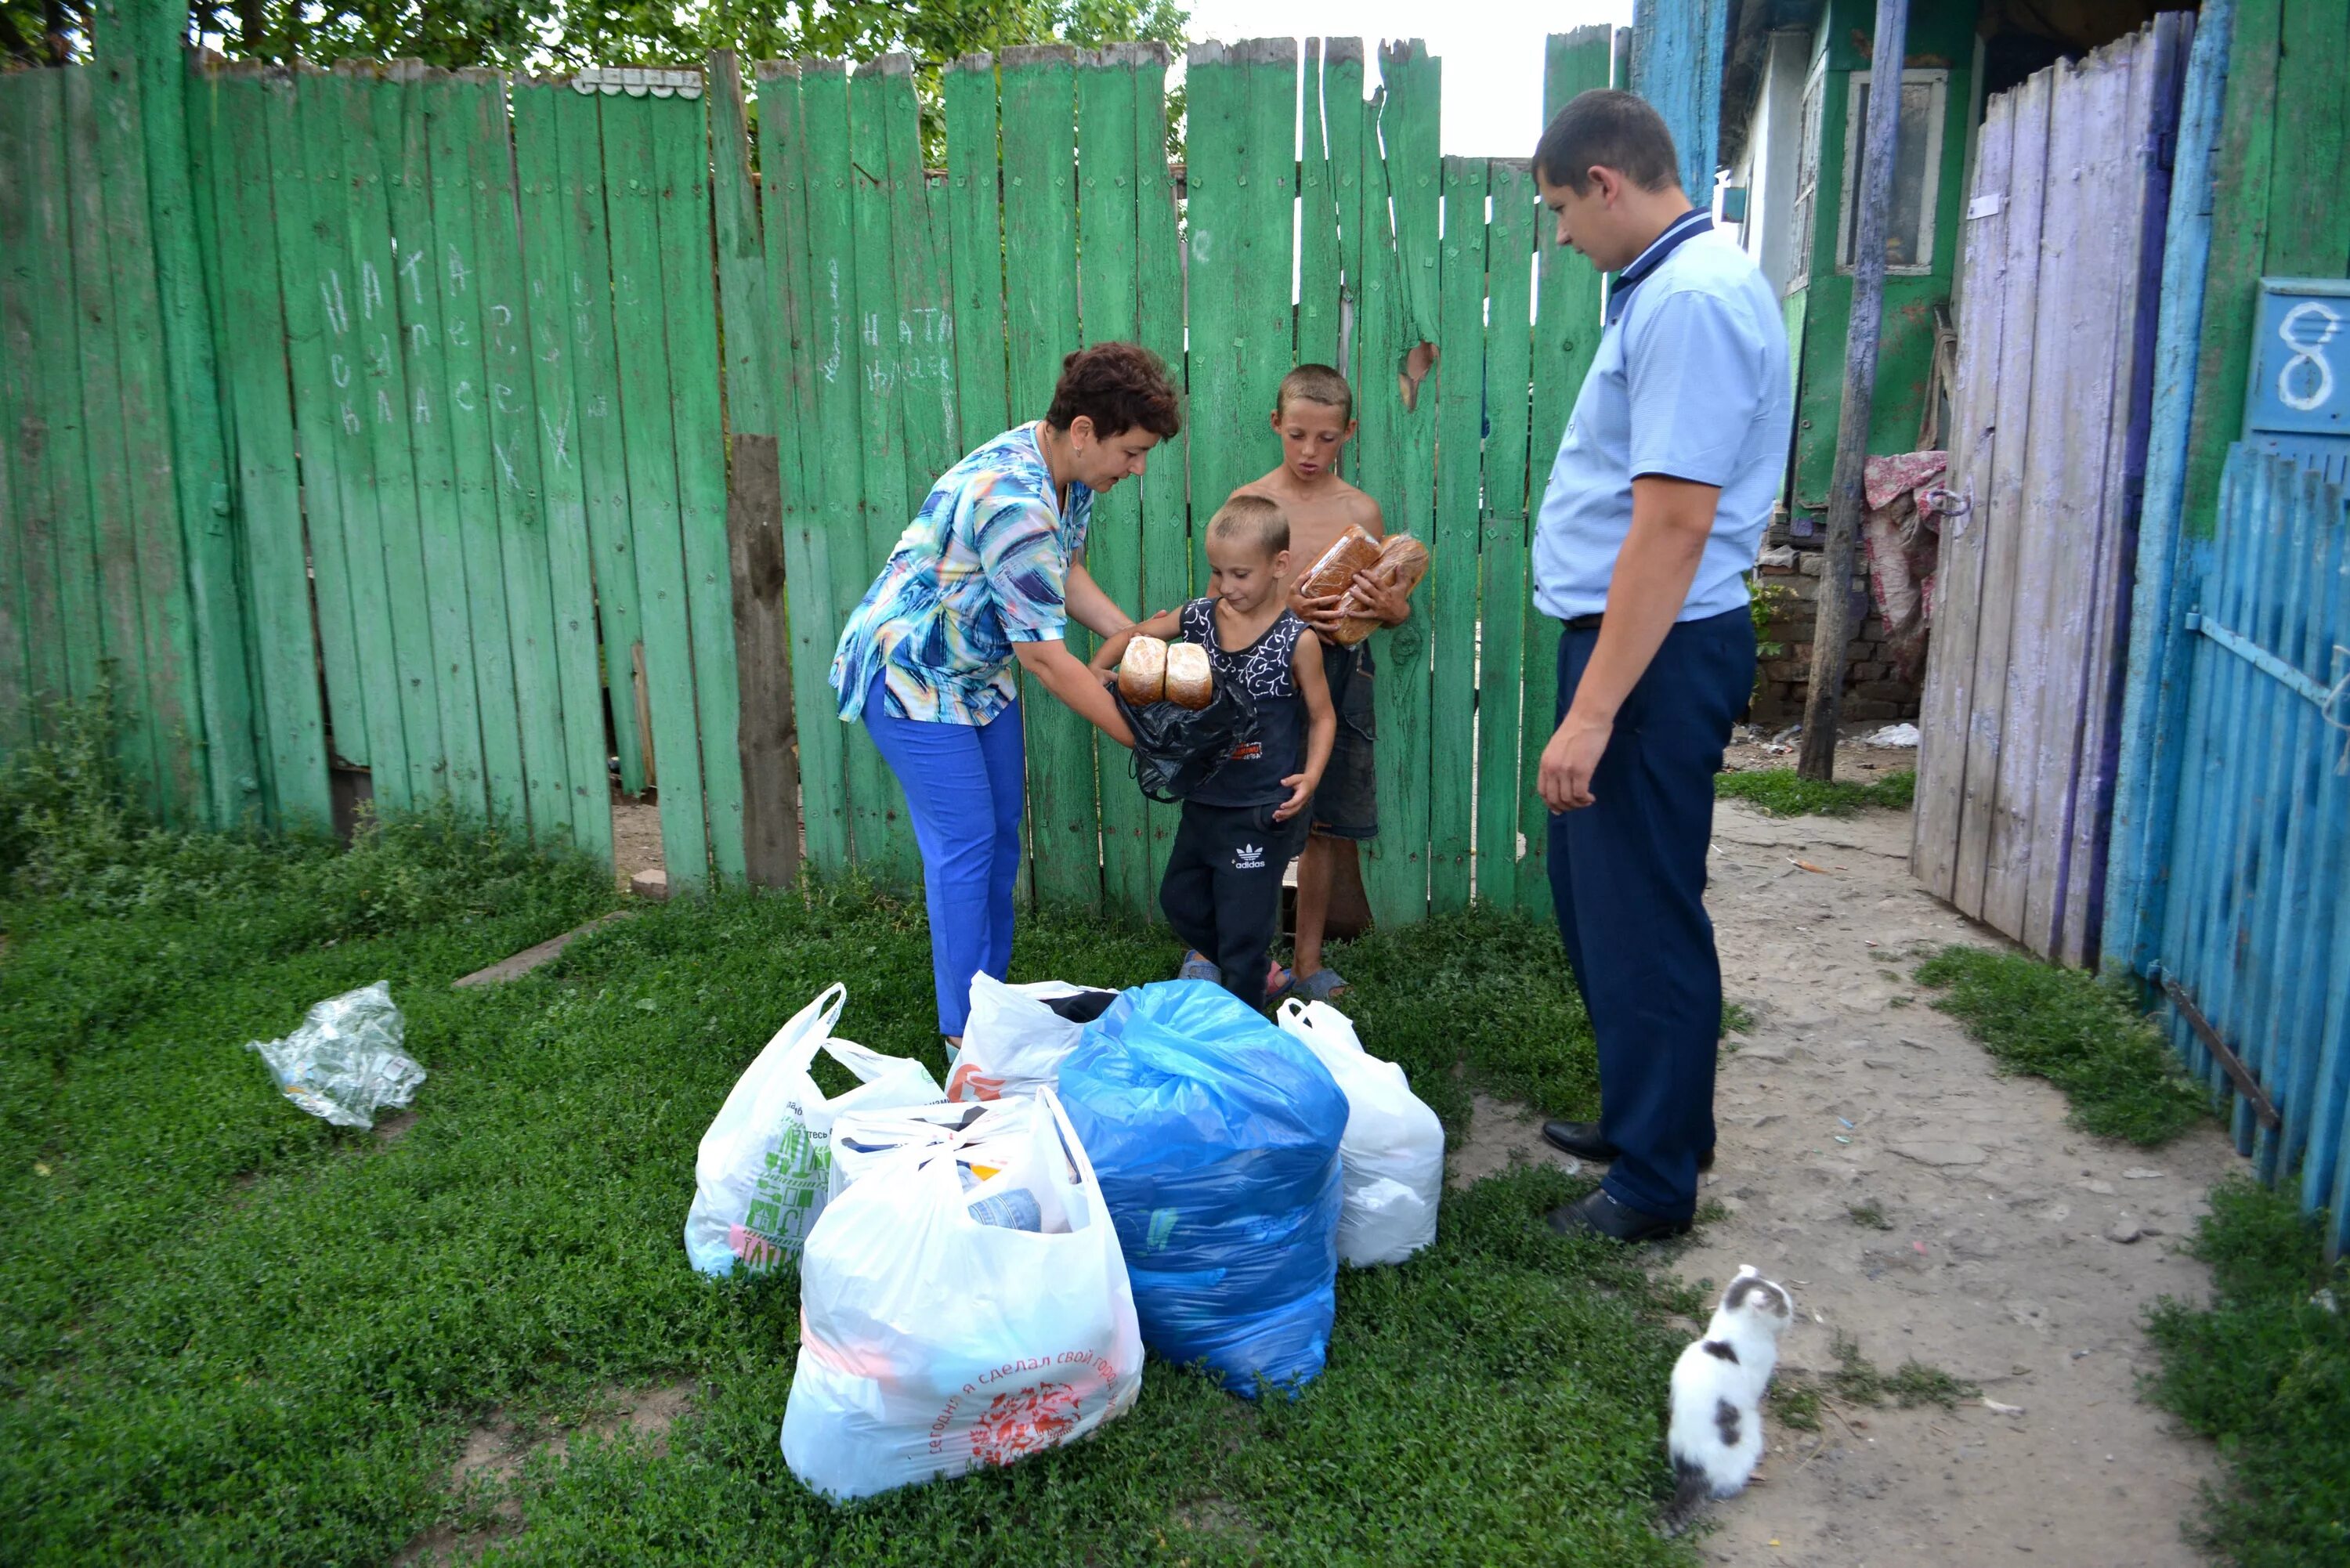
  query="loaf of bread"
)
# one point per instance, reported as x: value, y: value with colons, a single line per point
x: 1190, y: 680
x: 1403, y: 561
x: 1355, y: 551
x: 1142, y: 673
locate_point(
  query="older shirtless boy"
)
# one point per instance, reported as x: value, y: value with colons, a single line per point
x: 1314, y: 415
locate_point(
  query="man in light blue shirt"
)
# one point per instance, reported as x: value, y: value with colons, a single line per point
x: 1665, y: 478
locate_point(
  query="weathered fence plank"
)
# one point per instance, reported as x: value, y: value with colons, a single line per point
x: 1164, y: 484
x: 294, y: 239
x: 1040, y: 230
x: 602, y: 441
x: 1946, y: 733
x: 809, y: 572
x: 632, y: 179
x: 96, y: 141
x: 2001, y: 501
x: 1565, y: 340
x: 754, y: 513
x: 65, y: 146
x: 541, y: 228
x: 1108, y: 286
x: 1502, y: 592
x: 689, y: 295
x: 1450, y: 596
x: 175, y: 692
x: 277, y: 581
x: 24, y: 158
x: 382, y: 413
x: 884, y: 833
x: 339, y: 457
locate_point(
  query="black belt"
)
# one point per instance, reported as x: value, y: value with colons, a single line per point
x: 1583, y: 622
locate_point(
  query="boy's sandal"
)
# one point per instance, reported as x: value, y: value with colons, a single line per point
x: 1280, y: 985
x: 1324, y: 985
x: 1196, y: 966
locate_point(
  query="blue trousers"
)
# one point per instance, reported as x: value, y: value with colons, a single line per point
x: 1627, y: 878
x: 963, y: 786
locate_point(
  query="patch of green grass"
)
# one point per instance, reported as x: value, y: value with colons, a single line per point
x: 1737, y: 1018
x: 1797, y: 1400
x: 2084, y: 1037
x: 231, y: 1333
x: 1782, y: 792
x: 2265, y: 1370
x: 1869, y: 1215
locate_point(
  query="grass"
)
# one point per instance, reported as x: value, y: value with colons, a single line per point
x: 2265, y: 1370
x: 230, y: 1333
x: 1796, y: 1400
x: 2081, y: 1036
x: 1869, y: 1215
x: 1782, y: 792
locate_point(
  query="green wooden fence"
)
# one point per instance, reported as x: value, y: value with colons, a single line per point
x: 482, y: 346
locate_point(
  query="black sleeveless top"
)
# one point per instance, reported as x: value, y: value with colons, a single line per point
x: 1252, y: 775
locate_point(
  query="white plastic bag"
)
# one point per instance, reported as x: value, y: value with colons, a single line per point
x: 763, y: 1171
x: 346, y: 1062
x: 933, y: 1343
x: 1012, y: 1041
x: 862, y: 1140
x: 1394, y: 1148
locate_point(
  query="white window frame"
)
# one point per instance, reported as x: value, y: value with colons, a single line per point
x: 1803, y: 210
x: 1930, y: 199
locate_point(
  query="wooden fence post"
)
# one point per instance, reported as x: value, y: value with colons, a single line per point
x: 1833, y: 629
x: 147, y: 35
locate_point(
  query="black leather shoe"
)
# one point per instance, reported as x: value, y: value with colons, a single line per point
x: 1582, y: 1140
x: 1596, y: 1214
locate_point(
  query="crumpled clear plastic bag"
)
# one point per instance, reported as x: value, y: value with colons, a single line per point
x: 345, y: 1062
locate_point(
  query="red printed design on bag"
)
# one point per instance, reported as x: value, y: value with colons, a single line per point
x: 968, y: 1083
x: 1024, y: 1422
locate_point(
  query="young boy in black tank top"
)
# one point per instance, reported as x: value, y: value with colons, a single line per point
x: 1240, y: 829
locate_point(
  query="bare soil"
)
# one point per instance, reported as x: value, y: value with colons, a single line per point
x: 2000, y: 1267
x: 636, y: 837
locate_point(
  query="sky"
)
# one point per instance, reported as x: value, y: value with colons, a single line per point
x: 1492, y: 51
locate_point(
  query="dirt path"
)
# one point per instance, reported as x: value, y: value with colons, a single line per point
x: 2000, y: 1265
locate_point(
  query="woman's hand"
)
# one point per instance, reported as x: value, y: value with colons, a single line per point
x: 1052, y: 666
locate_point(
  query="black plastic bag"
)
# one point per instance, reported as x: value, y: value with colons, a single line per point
x: 1178, y: 749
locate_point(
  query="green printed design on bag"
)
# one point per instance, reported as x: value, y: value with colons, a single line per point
x: 785, y: 1199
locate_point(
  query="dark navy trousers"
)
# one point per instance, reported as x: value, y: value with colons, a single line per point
x: 1627, y: 878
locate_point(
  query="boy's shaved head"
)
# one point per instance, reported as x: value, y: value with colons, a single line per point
x: 1255, y: 521
x: 1316, y: 384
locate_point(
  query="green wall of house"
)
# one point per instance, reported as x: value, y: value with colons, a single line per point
x: 1942, y: 36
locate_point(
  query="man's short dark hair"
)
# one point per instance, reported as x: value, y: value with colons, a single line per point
x: 1608, y: 129
x: 1118, y: 386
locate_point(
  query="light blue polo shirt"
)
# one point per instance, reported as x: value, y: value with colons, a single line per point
x: 1690, y: 382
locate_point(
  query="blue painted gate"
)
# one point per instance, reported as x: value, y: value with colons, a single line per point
x: 2249, y: 927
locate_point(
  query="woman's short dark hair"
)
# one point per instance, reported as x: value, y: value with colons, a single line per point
x: 1612, y: 129
x: 1117, y: 386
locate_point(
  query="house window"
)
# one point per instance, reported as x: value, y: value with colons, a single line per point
x: 1916, y: 173
x: 1805, y: 211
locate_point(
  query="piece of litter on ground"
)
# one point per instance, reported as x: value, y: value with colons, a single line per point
x: 1919, y: 1247
x: 1996, y: 1409
x: 1841, y: 1138
x: 40, y: 1169
x: 1806, y: 865
x: 2324, y: 1299
x: 1847, y: 1121
x: 345, y: 1062
x: 2140, y: 1173
x: 1894, y: 735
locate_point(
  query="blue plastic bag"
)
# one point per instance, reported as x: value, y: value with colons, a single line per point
x: 1215, y: 1137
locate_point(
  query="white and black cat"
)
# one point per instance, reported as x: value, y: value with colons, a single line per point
x: 1716, y: 1435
